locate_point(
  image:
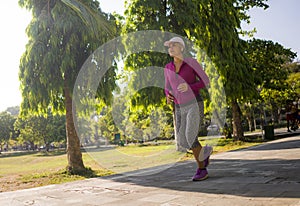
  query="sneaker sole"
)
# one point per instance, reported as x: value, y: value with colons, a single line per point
x: 203, y: 178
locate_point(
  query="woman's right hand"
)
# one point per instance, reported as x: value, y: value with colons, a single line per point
x: 170, y: 98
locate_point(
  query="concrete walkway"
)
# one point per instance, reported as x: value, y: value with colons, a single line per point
x: 268, y: 174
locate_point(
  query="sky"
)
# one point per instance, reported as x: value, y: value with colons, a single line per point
x: 279, y: 23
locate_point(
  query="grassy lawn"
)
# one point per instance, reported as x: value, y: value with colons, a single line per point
x: 31, y: 169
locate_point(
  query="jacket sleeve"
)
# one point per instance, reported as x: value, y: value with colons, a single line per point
x: 203, y: 80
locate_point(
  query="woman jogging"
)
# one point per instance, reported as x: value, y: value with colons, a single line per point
x: 184, y: 77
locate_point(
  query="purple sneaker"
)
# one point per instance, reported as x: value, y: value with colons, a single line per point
x: 201, y: 174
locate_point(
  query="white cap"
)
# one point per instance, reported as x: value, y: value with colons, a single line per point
x: 173, y: 40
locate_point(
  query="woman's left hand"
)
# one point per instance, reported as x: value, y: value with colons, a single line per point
x: 183, y: 87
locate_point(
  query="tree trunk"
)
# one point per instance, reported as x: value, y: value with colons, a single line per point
x: 275, y: 114
x: 250, y: 122
x: 74, y: 155
x: 238, y: 132
x: 254, y: 120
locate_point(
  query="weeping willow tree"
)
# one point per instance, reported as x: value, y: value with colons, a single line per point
x: 214, y: 26
x: 62, y: 34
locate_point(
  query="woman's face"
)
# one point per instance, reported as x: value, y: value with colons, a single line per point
x: 175, y: 49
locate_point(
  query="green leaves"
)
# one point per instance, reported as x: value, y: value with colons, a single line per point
x: 41, y: 130
x: 62, y: 34
x: 267, y: 60
x: 92, y: 19
x: 6, y: 127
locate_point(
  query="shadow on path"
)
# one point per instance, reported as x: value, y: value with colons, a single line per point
x: 268, y: 170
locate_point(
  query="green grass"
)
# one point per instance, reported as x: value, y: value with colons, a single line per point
x: 134, y: 157
x: 49, y: 178
x: 33, y: 169
x: 223, y: 145
x: 30, y: 163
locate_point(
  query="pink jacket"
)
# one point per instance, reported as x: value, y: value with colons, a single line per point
x: 191, y: 73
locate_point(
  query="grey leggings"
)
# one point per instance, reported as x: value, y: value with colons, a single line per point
x: 187, y: 122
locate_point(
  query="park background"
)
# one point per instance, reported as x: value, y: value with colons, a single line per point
x: 267, y: 80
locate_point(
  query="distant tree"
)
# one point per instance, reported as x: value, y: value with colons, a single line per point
x: 269, y: 62
x: 292, y: 92
x: 41, y: 130
x: 14, y: 111
x: 106, y: 125
x: 293, y: 82
x: 62, y: 35
x: 6, y: 129
x: 293, y: 67
x: 28, y: 132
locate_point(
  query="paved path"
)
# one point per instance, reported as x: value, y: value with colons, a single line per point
x: 267, y: 174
